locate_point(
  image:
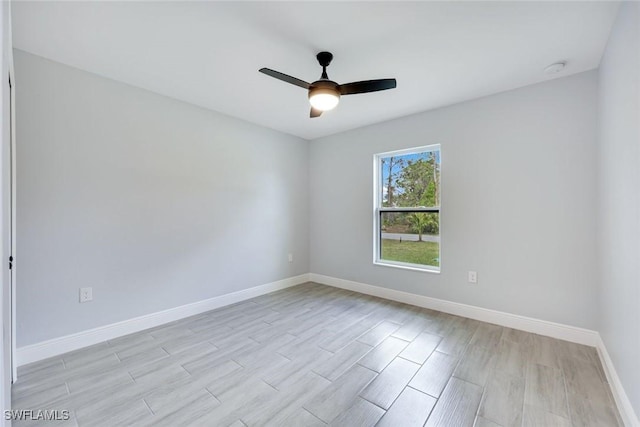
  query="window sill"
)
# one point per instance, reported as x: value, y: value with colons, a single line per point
x: 403, y: 266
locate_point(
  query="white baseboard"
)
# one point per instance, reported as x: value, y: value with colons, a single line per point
x: 54, y: 347
x: 629, y: 417
x: 528, y: 324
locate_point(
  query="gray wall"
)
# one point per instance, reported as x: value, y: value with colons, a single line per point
x: 619, y: 219
x: 518, y: 201
x: 153, y: 202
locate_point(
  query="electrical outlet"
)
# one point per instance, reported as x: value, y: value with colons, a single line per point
x: 473, y: 277
x: 290, y: 257
x: 86, y: 294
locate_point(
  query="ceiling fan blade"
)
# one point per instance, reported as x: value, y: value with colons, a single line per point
x: 315, y: 113
x: 284, y: 77
x: 367, y: 86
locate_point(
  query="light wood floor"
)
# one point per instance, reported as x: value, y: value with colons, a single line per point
x: 314, y: 355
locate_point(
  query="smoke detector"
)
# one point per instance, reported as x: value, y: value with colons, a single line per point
x: 555, y: 68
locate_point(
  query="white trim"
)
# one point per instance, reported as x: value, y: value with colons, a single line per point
x: 411, y: 150
x: 407, y: 266
x: 54, y: 347
x: 528, y: 324
x: 14, y: 232
x: 629, y: 417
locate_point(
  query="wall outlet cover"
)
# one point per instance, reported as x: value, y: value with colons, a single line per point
x: 473, y: 277
x: 86, y: 294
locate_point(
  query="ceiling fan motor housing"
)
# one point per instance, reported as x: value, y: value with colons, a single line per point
x: 324, y: 86
x: 323, y: 89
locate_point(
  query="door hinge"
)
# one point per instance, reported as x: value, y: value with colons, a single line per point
x: 11, y: 262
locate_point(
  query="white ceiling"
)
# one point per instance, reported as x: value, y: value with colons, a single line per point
x: 209, y: 53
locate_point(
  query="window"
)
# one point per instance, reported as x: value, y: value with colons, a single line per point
x: 407, y: 208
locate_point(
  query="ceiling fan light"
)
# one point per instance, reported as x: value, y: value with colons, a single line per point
x: 323, y: 99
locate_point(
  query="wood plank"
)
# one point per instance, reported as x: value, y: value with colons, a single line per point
x: 378, y: 358
x: 132, y: 412
x: 584, y: 380
x: 457, y: 406
x: 585, y: 412
x: 197, y: 407
x: 387, y: 386
x: 545, y: 390
x: 302, y: 417
x: 421, y: 348
x: 291, y: 397
x: 455, y: 342
x: 341, y: 361
x: 536, y: 417
x: 348, y: 335
x: 511, y: 358
x: 171, y: 395
x: 483, y: 422
x: 476, y: 365
x: 340, y: 395
x: 503, y: 399
x: 361, y: 413
x: 412, y: 328
x: 411, y: 409
x: 434, y: 374
x: 378, y: 333
x: 542, y: 351
x: 487, y: 335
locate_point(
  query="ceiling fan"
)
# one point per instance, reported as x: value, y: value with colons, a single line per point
x: 324, y: 94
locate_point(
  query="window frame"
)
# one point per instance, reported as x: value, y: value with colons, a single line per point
x: 378, y: 211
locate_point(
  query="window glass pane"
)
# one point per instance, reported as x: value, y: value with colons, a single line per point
x: 411, y: 237
x: 410, y: 180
